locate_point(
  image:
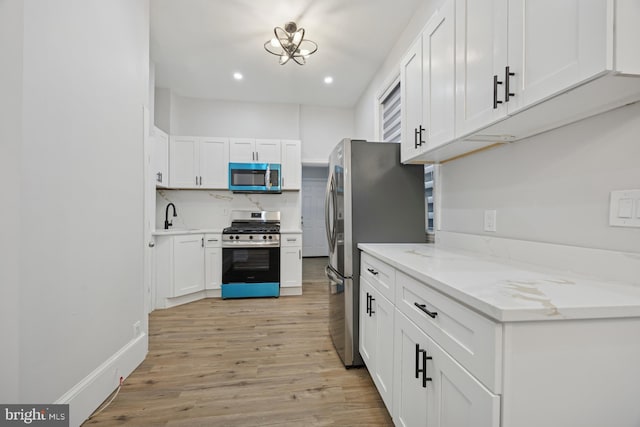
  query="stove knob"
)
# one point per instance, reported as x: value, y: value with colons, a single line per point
x: 270, y: 237
x: 237, y: 237
x: 264, y: 237
x: 250, y: 237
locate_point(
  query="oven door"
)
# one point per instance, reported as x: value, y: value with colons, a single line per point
x: 251, y: 265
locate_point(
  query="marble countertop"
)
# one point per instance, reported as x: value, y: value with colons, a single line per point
x: 176, y: 232
x: 509, y: 291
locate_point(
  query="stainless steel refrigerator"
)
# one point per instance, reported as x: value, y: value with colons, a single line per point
x: 370, y: 198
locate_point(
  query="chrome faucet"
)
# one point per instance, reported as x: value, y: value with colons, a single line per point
x: 168, y: 224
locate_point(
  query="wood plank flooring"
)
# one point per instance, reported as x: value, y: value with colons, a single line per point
x: 246, y: 362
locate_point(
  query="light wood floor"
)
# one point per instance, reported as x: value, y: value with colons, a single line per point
x: 246, y: 362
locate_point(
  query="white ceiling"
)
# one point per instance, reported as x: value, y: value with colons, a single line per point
x: 197, y: 45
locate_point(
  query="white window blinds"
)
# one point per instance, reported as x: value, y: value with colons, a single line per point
x: 391, y: 116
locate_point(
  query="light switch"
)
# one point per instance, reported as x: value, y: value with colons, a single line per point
x: 625, y: 208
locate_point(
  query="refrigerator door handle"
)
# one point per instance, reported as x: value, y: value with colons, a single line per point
x: 333, y: 275
x: 331, y: 232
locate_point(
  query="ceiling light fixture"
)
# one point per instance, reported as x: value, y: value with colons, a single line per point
x: 289, y: 43
x: 328, y: 80
x: 237, y: 76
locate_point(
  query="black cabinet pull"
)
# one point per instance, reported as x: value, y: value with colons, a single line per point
x: 507, y: 74
x: 371, y: 300
x: 415, y: 138
x: 368, y: 306
x: 422, y: 370
x: 495, y: 92
x: 420, y: 132
x: 423, y: 308
x: 372, y: 271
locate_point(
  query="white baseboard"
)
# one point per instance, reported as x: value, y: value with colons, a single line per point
x: 87, y: 395
x: 286, y: 292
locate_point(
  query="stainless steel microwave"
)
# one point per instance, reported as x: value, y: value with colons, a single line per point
x: 255, y: 177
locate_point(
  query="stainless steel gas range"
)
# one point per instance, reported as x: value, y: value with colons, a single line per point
x: 251, y: 255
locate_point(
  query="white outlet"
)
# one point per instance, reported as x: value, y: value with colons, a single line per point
x: 137, y: 329
x: 490, y: 221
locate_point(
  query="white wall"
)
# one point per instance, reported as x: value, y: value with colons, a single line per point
x: 550, y: 188
x: 553, y: 187
x: 366, y: 108
x: 11, y: 26
x: 319, y: 128
x: 85, y: 83
x: 207, y: 117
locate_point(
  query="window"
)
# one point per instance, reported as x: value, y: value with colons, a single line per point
x: 390, y: 114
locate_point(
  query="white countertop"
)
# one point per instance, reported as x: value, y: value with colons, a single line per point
x: 176, y: 232
x: 510, y: 291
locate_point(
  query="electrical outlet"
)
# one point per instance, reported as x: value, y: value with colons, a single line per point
x: 137, y: 329
x: 624, y: 208
x: 490, y: 221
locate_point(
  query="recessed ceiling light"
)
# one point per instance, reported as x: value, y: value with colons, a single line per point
x: 328, y: 80
x: 237, y: 76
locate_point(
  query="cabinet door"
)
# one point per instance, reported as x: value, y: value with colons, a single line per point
x: 546, y: 62
x: 183, y: 162
x: 409, y: 397
x: 188, y: 264
x: 456, y: 398
x: 451, y: 396
x: 291, y: 165
x: 213, y: 268
x: 242, y: 150
x: 438, y: 73
x: 367, y: 344
x: 214, y: 163
x: 160, y: 158
x: 411, y: 95
x: 290, y: 266
x: 481, y: 54
x: 268, y: 151
x: 383, y: 312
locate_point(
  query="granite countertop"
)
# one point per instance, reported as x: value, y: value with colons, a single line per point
x: 509, y: 291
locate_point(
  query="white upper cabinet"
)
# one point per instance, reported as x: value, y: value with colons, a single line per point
x: 198, y: 163
x: 521, y: 68
x: 160, y: 160
x: 183, y: 162
x: 214, y: 163
x: 411, y: 95
x: 427, y: 79
x: 291, y: 167
x: 247, y: 150
x: 553, y: 45
x: 481, y: 38
x: 268, y: 151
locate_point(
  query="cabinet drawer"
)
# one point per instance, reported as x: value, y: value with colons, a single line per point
x: 212, y: 240
x: 472, y: 339
x: 290, y: 240
x: 382, y: 276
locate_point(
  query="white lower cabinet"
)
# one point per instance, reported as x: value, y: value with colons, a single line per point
x: 432, y: 389
x: 212, y: 261
x: 376, y: 338
x: 188, y: 264
x: 291, y: 260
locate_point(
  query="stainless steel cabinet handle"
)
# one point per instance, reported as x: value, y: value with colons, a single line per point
x: 196, y: 180
x: 257, y: 156
x: 202, y: 242
x: 299, y: 253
